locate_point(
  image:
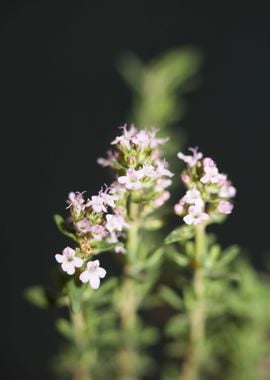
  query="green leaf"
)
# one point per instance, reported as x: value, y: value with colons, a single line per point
x: 155, y: 258
x: 228, y: 255
x: 180, y: 234
x: 61, y: 225
x: 153, y: 224
x: 75, y: 292
x: 64, y: 327
x: 102, y: 246
x: 37, y: 296
x: 171, y: 297
x: 179, y: 258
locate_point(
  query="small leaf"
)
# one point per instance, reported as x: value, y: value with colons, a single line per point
x: 179, y: 258
x: 171, y: 297
x: 65, y: 328
x: 180, y: 234
x: 37, y: 296
x: 228, y: 255
x: 153, y: 224
x: 62, y: 227
x: 155, y: 258
x: 75, y: 292
x: 102, y: 246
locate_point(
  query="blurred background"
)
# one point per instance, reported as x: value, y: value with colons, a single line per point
x: 64, y: 97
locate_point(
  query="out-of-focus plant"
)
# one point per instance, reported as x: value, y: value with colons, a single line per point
x: 212, y: 305
x: 221, y: 325
x: 158, y: 88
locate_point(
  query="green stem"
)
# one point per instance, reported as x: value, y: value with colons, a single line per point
x: 128, y: 301
x: 82, y: 371
x: 192, y: 365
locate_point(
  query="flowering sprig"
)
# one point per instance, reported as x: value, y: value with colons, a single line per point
x: 140, y: 168
x: 209, y: 192
x: 97, y: 224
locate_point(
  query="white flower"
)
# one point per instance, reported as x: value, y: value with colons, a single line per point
x: 149, y: 171
x: 97, y: 203
x: 211, y: 172
x: 195, y: 215
x: 68, y: 260
x: 76, y: 202
x: 108, y: 198
x: 162, y: 169
x: 111, y: 157
x: 227, y: 190
x: 115, y: 223
x: 125, y: 138
x: 162, y: 183
x: 132, y: 179
x: 193, y: 197
x: 92, y: 274
x: 191, y: 160
x: 142, y: 139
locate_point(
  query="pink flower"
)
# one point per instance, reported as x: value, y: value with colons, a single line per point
x: 185, y: 178
x: 227, y: 190
x: 120, y: 249
x: 76, y: 202
x: 179, y: 208
x: 68, y: 260
x: 162, y: 199
x: 93, y: 274
x: 132, y: 179
x: 98, y: 232
x: 195, y: 215
x: 225, y: 207
x: 83, y: 226
x: 162, y: 169
x: 191, y: 160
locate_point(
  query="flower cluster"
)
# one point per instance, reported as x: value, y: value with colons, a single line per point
x: 139, y: 165
x: 209, y: 192
x: 95, y: 221
x: 99, y: 223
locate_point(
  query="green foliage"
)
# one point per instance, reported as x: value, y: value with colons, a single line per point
x: 62, y: 227
x: 158, y: 85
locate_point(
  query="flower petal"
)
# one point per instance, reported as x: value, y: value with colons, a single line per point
x: 85, y: 276
x: 59, y: 258
x: 78, y: 262
x: 101, y: 272
x: 68, y: 268
x: 94, y: 280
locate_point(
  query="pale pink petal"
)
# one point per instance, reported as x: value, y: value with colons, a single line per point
x: 84, y: 276
x: 69, y: 268
x: 59, y: 258
x: 94, y: 281
x: 77, y: 262
x: 101, y: 272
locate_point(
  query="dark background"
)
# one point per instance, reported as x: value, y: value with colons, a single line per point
x: 62, y: 101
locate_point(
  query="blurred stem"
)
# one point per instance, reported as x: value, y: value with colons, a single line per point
x: 128, y: 301
x: 82, y: 371
x: 192, y: 365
